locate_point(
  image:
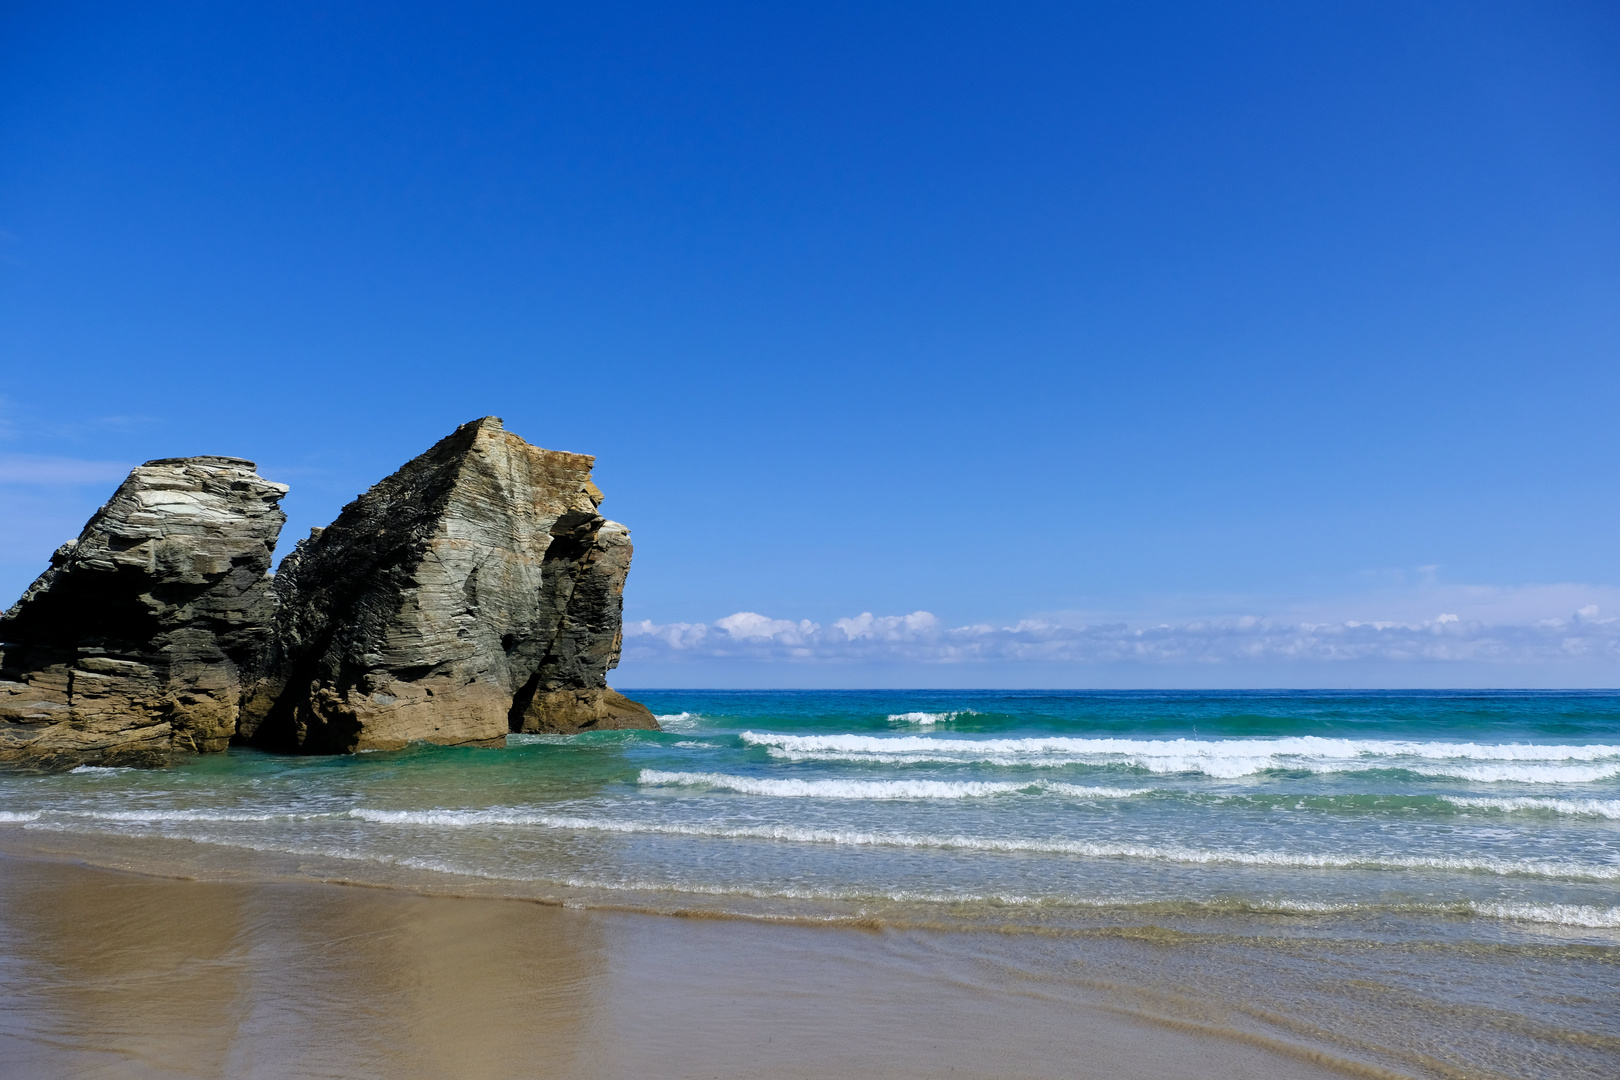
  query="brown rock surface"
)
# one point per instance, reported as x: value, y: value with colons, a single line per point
x: 474, y: 592
x: 134, y: 640
x: 568, y: 712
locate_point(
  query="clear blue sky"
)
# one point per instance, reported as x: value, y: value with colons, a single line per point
x: 1071, y: 316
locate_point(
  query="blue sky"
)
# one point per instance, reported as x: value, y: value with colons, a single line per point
x: 1134, y: 344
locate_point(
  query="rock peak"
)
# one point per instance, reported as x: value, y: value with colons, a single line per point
x: 207, y: 461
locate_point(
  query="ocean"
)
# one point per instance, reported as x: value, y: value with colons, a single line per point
x: 1440, y: 867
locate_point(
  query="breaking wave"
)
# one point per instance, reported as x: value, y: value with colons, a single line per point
x: 680, y: 722
x: 1606, y: 808
x: 876, y: 789
x: 928, y: 719
x: 1586, y: 915
x: 1222, y: 759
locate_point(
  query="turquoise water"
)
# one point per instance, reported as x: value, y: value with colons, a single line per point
x: 1493, y: 816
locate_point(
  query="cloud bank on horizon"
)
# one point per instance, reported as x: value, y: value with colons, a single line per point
x: 1585, y: 635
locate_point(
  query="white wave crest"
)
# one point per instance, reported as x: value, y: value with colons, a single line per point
x: 1607, y: 808
x: 681, y: 721
x: 928, y: 719
x: 100, y: 769
x: 1558, y: 914
x: 1223, y: 758
x: 875, y: 789
x: 1520, y: 774
x: 1053, y: 846
x: 1026, y: 762
x: 160, y: 817
x: 18, y: 817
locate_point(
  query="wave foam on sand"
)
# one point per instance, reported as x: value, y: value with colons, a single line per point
x: 1052, y: 846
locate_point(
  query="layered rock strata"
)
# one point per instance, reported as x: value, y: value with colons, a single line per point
x: 135, y: 640
x: 474, y: 592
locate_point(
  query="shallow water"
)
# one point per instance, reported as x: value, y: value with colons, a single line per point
x: 1460, y: 850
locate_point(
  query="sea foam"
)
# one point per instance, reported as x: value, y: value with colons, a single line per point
x: 1570, y: 915
x: 197, y: 815
x: 928, y: 719
x: 680, y: 722
x: 1557, y: 914
x: 876, y: 789
x: 1222, y: 759
x: 1175, y: 853
x: 1607, y: 808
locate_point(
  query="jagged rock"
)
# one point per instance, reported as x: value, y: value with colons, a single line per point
x: 132, y: 643
x: 474, y: 592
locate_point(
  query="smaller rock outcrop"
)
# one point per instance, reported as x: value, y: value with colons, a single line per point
x: 135, y: 640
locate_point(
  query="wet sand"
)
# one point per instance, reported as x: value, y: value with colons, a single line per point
x: 106, y: 973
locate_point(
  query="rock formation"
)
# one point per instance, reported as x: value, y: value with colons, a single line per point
x: 474, y: 592
x: 134, y: 641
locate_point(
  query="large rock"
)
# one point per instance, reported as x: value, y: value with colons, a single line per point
x: 474, y: 592
x: 134, y: 641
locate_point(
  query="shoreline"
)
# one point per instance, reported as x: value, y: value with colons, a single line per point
x: 222, y: 860
x: 641, y: 994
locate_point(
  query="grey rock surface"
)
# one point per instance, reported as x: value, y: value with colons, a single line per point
x: 474, y: 592
x: 135, y: 640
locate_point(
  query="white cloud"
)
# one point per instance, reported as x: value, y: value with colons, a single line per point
x: 887, y: 628
x: 921, y: 637
x: 750, y: 626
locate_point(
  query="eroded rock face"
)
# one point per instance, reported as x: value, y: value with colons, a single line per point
x: 474, y: 592
x: 134, y: 642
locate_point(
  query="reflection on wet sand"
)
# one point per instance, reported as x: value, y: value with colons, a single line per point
x: 129, y: 976
x: 93, y: 964
x: 117, y: 975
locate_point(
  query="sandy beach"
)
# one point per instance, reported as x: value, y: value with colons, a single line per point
x: 109, y: 973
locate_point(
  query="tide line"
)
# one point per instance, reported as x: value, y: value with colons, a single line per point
x: 1546, y: 868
